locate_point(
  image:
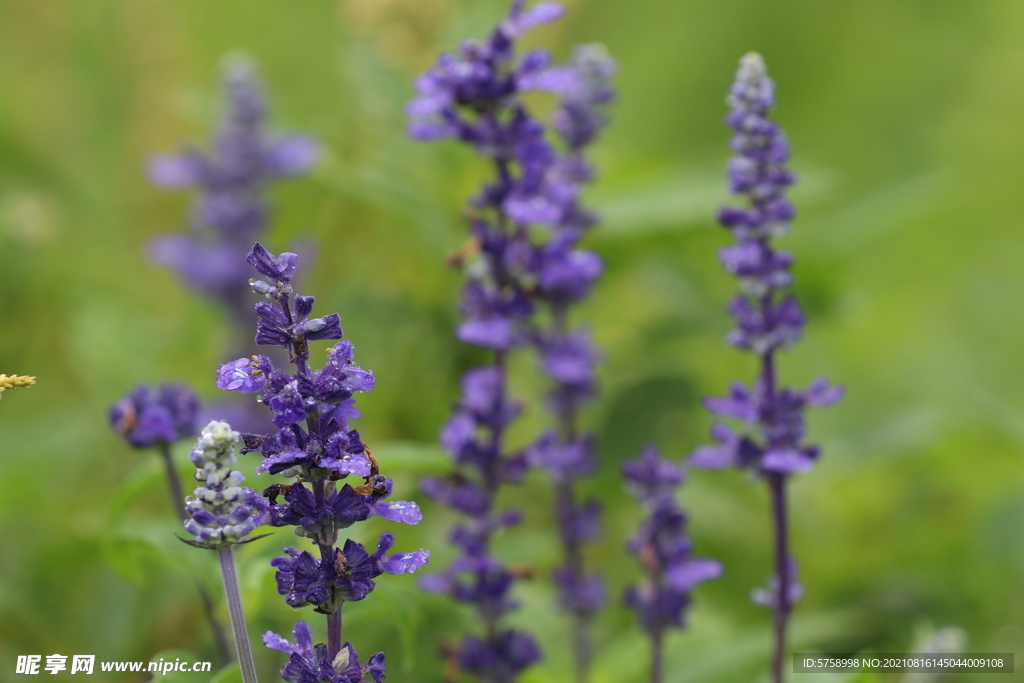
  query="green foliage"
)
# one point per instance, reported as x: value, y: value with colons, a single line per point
x: 904, y: 119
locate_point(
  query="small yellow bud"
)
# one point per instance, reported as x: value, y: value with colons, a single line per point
x: 11, y: 381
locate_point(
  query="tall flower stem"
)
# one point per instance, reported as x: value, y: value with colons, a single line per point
x: 334, y: 632
x: 781, y: 606
x: 657, y: 658
x: 173, y: 482
x: 177, y: 499
x: 777, y: 484
x: 566, y: 493
x: 580, y: 622
x: 227, y: 571
x: 325, y: 542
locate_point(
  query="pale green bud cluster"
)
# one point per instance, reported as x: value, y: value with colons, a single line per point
x: 222, y: 510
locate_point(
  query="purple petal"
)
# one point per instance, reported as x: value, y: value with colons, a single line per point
x: 176, y: 172
x: 358, y: 465
x: 533, y: 208
x: 276, y: 642
x: 277, y: 268
x: 403, y: 511
x: 821, y: 393
x: 693, y: 571
x: 541, y: 13
x: 562, y: 80
x: 713, y: 457
x: 239, y: 375
x: 405, y: 563
x: 291, y: 155
x: 375, y: 667
x: 303, y: 636
x: 786, y: 461
x: 493, y: 332
x: 738, y: 404
x: 287, y: 458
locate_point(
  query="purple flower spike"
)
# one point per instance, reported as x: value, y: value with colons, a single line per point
x: 663, y: 547
x: 230, y: 211
x: 768, y: 318
x: 526, y: 225
x: 314, y: 444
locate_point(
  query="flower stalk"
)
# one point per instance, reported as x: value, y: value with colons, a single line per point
x: 226, y: 556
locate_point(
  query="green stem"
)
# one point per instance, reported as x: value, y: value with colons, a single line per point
x: 242, y: 647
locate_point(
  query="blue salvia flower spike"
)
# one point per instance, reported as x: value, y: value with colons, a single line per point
x: 230, y: 212
x: 665, y: 552
x: 474, y: 96
x: 768, y: 318
x: 314, y: 446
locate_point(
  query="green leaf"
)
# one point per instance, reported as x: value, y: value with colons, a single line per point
x: 168, y: 656
x: 411, y: 456
x: 229, y: 674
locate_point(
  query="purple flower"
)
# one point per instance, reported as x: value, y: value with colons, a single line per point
x: 503, y: 658
x: 566, y: 275
x: 651, y: 478
x: 313, y: 443
x: 222, y: 512
x: 302, y: 579
x: 584, y: 86
x: 230, y: 212
x: 147, y: 417
x: 345, y: 575
x: 474, y: 95
x: 313, y: 664
x: 277, y: 268
x: 242, y: 375
x: 768, y: 318
x: 663, y: 547
x: 565, y: 461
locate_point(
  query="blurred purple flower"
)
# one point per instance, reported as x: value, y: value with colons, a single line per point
x: 474, y: 95
x: 664, y: 548
x: 230, y: 212
x: 151, y: 416
x: 768, y: 318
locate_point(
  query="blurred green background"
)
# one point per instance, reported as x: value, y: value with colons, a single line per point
x: 905, y: 121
